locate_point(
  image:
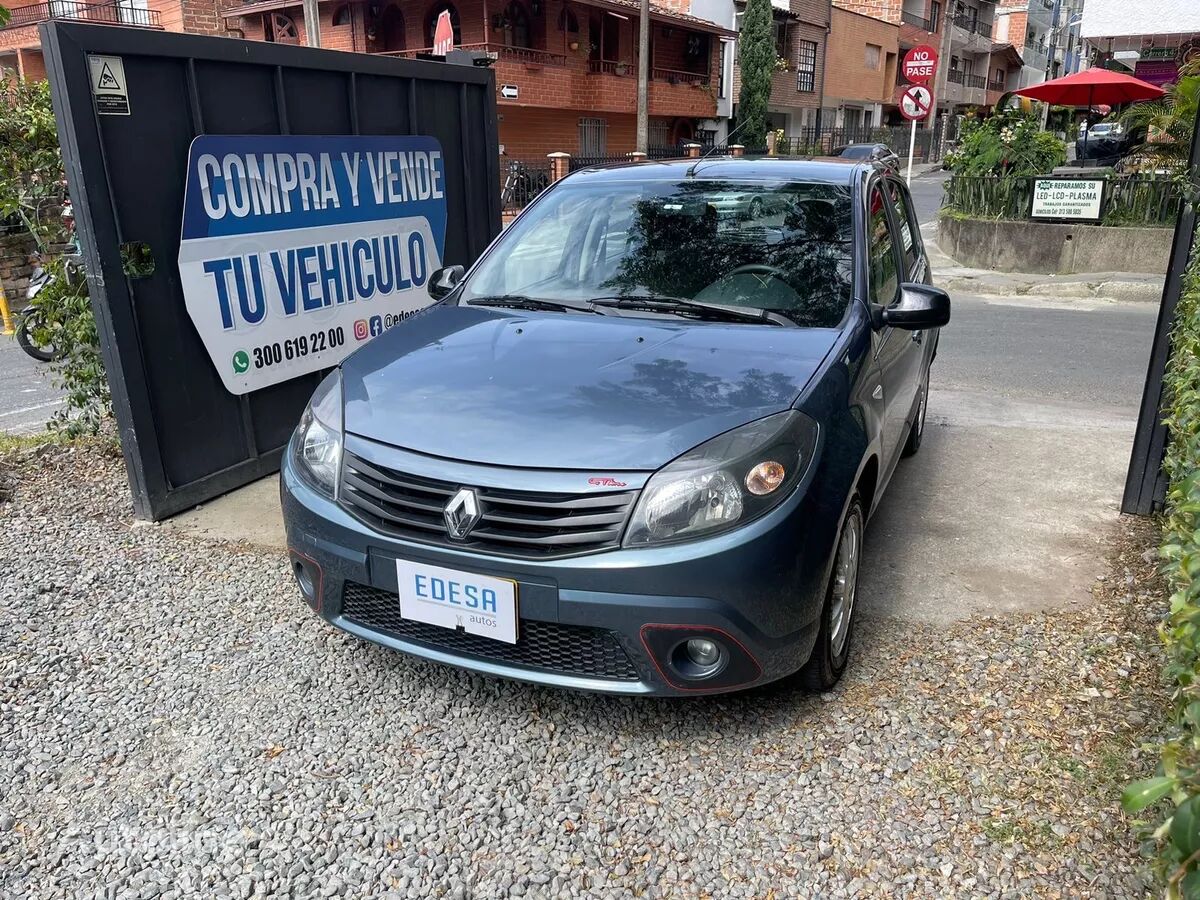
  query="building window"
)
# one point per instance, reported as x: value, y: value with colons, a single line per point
x: 722, y: 87
x: 568, y: 22
x: 660, y: 134
x: 872, y: 56
x: 515, y: 22
x: 806, y: 67
x: 593, y: 137
x: 342, y: 16
x: 935, y: 13
x: 781, y: 41
x: 281, y: 29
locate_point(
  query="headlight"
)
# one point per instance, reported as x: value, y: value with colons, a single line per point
x: 732, y: 479
x: 318, y: 441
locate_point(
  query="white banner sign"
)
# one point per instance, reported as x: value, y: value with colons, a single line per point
x: 1063, y: 198
x: 297, y: 249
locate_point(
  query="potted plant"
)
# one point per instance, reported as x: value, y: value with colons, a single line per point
x: 621, y: 69
x: 574, y: 45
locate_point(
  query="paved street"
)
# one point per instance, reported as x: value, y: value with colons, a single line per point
x: 27, y: 395
x: 927, y: 194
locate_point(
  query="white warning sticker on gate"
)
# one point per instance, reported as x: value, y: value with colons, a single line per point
x: 109, y: 86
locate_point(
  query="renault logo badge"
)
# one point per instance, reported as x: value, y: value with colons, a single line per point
x: 462, y: 513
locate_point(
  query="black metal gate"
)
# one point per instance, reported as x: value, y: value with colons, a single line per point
x: 185, y: 438
x: 1145, y: 482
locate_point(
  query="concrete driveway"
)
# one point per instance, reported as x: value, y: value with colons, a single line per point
x: 1010, y: 502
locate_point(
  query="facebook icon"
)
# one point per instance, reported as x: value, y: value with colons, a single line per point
x: 376, y: 326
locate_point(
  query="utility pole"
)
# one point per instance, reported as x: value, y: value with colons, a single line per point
x: 643, y: 90
x: 312, y: 24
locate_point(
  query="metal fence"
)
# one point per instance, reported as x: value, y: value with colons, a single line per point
x: 1128, y: 200
x: 522, y: 179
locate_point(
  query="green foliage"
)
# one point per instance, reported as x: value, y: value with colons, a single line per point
x: 756, y: 62
x: 32, y: 187
x: 1172, y: 796
x: 1132, y: 200
x: 1167, y: 123
x: 62, y: 315
x: 31, y: 167
x: 5, y: 15
x: 1008, y: 143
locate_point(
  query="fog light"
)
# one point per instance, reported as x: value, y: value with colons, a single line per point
x: 304, y: 580
x: 765, y: 477
x: 702, y: 652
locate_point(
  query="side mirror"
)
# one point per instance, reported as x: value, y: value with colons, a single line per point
x: 445, y: 280
x: 920, y: 306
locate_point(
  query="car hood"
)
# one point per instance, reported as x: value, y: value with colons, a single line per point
x: 571, y: 391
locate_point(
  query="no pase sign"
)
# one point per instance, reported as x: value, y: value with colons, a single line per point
x: 920, y: 64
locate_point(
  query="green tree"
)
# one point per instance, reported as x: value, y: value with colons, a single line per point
x: 756, y: 62
x: 31, y: 167
x: 1167, y: 123
x: 5, y: 15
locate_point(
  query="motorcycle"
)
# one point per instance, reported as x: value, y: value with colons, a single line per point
x: 31, y: 319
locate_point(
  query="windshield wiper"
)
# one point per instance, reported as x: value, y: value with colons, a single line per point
x: 519, y: 301
x: 684, y: 306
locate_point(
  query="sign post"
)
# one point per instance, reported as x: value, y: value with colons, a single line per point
x: 915, y: 104
x: 918, y: 68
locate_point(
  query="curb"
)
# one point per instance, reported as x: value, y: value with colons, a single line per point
x: 1110, y: 289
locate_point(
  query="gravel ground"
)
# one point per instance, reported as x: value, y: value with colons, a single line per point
x: 173, y: 722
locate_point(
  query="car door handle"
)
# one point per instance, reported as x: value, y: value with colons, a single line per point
x: 878, y: 392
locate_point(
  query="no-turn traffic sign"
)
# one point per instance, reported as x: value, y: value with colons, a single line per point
x: 916, y: 102
x: 920, y: 64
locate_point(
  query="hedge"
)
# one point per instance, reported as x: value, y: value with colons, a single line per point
x: 1175, y: 789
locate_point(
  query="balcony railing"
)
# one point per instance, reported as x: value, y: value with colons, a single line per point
x: 527, y: 55
x: 677, y: 76
x: 916, y: 21
x: 976, y: 26
x: 102, y: 13
x: 996, y: 86
x: 958, y: 76
x: 611, y: 67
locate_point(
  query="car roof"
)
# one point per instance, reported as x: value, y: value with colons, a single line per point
x: 822, y: 170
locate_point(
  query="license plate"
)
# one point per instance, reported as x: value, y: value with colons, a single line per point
x: 461, y: 601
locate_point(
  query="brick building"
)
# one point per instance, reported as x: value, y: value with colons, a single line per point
x: 566, y: 72
x: 797, y: 86
x: 21, y: 50
x: 860, y: 74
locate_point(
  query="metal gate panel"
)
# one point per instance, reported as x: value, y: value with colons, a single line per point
x: 185, y: 438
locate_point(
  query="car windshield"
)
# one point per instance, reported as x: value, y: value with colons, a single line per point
x: 1101, y: 129
x: 858, y: 151
x: 784, y: 247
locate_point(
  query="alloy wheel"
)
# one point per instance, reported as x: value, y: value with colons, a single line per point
x: 845, y: 583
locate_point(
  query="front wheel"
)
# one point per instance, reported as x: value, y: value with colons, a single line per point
x: 40, y: 352
x: 829, y: 656
x: 917, y: 432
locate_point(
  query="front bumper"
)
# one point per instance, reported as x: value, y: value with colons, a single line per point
x: 600, y: 622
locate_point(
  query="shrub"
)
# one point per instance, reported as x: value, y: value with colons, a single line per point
x: 32, y: 188
x: 1009, y: 143
x: 1178, y: 776
x: 756, y: 63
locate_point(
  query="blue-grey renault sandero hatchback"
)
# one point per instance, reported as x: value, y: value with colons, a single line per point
x: 633, y: 449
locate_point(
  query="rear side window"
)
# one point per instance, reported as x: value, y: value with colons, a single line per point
x: 885, y: 281
x: 908, y: 246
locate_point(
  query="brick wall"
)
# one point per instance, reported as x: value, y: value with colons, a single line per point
x: 783, y: 84
x: 529, y: 133
x: 14, y: 266
x: 847, y: 76
x: 883, y: 10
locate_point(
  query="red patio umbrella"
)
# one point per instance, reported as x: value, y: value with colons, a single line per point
x: 1092, y: 86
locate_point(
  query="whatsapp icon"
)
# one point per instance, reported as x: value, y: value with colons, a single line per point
x: 241, y: 362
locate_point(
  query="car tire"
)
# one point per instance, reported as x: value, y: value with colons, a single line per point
x: 756, y: 208
x: 916, y: 433
x: 832, y: 650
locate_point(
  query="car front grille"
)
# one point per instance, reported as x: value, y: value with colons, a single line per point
x: 514, y: 523
x: 544, y: 646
